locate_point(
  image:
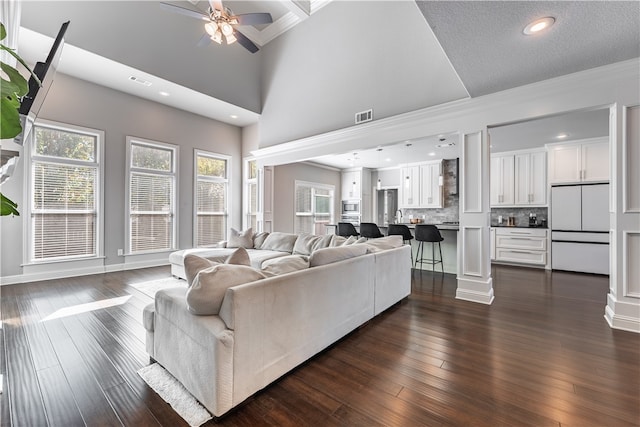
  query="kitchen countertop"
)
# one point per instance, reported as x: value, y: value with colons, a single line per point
x: 518, y: 226
x: 454, y: 227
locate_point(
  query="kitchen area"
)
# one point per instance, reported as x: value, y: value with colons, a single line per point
x: 549, y: 185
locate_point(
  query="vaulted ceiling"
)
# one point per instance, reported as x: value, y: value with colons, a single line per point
x: 109, y: 41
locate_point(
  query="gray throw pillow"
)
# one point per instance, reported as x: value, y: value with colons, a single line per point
x: 193, y: 264
x: 240, y: 239
x: 335, y: 254
x: 281, y: 242
x: 204, y: 297
x: 258, y: 239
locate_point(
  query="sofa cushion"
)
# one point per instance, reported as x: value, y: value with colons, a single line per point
x: 206, y: 293
x: 337, y: 240
x: 331, y: 255
x: 258, y: 239
x: 282, y: 242
x: 193, y: 264
x: 307, y: 243
x: 285, y: 264
x: 240, y: 239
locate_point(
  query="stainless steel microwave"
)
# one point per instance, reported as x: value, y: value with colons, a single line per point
x: 350, y: 207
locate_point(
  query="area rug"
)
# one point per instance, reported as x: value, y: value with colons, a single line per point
x: 174, y: 393
x: 151, y: 287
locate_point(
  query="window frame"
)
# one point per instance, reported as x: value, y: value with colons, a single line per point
x: 175, y: 149
x: 30, y: 156
x: 314, y: 186
x: 227, y: 180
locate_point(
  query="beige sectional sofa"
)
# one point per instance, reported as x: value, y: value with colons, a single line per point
x: 269, y: 326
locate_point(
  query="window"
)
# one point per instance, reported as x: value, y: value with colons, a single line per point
x: 151, y: 196
x: 211, y: 197
x: 251, y: 195
x: 64, y: 193
x: 314, y: 207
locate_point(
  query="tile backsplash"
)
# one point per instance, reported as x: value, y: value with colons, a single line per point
x: 520, y: 214
x: 450, y: 205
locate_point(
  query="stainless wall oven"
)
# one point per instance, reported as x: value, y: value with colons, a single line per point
x: 351, y: 207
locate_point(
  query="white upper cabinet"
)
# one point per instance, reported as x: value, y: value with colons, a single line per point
x: 531, y: 178
x: 581, y: 161
x: 351, y: 185
x: 420, y: 185
x: 502, y: 180
x: 430, y: 188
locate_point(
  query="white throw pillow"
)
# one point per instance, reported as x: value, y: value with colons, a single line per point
x: 206, y: 293
x: 259, y: 238
x: 193, y: 264
x: 307, y: 243
x: 240, y: 239
x: 281, y: 242
x: 331, y: 255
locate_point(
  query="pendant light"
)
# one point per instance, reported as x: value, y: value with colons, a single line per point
x: 379, y: 185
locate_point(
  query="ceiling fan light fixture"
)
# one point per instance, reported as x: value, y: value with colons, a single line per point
x: 226, y: 28
x: 211, y: 28
x: 217, y: 37
x: 231, y: 38
x: 539, y: 25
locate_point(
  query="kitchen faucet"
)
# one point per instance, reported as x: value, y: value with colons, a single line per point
x: 398, y: 217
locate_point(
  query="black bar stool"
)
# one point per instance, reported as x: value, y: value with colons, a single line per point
x: 427, y: 233
x: 370, y: 230
x: 401, y: 230
x: 346, y: 229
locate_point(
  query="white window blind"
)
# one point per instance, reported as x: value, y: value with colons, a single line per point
x: 151, y: 191
x: 314, y: 207
x: 211, y: 198
x: 64, y: 188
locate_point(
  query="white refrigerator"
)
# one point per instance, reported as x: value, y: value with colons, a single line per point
x: 580, y: 228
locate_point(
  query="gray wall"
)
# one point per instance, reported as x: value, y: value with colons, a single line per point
x: 285, y: 177
x: 317, y: 75
x: 81, y: 103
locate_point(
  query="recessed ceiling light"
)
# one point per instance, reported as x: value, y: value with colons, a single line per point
x: 539, y: 25
x: 562, y: 135
x: 163, y: 93
x: 233, y: 116
x: 432, y: 153
x: 388, y: 159
x: 446, y: 144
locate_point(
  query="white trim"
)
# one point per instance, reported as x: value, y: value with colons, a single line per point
x: 624, y: 323
x: 472, y: 156
x: 321, y: 166
x: 626, y: 186
x: 471, y: 290
x: 627, y: 261
x: 469, y: 251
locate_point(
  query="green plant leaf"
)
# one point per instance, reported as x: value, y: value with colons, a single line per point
x: 20, y: 83
x: 3, y: 31
x: 8, y: 206
x: 8, y: 90
x: 20, y: 60
x: 10, y: 126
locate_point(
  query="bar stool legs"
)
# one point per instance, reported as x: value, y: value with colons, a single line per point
x: 433, y: 261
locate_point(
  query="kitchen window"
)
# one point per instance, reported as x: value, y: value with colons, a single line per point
x: 151, y: 196
x: 314, y: 207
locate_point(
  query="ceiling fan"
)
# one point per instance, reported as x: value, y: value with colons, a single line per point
x: 221, y: 23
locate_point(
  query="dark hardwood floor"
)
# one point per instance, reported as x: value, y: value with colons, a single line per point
x: 541, y: 355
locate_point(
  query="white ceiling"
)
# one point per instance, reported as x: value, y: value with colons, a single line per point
x: 110, y: 40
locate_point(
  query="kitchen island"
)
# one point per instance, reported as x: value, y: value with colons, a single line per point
x: 449, y: 232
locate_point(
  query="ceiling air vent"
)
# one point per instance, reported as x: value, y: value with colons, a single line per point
x: 137, y: 80
x: 364, y: 116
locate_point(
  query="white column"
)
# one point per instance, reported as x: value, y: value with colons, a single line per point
x: 623, y: 302
x: 474, y: 264
x: 265, y: 198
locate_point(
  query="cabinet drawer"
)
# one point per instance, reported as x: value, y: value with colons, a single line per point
x: 522, y: 256
x: 537, y: 232
x: 522, y: 242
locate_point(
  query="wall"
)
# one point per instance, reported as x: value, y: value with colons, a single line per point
x: 285, y: 177
x: 315, y: 80
x: 81, y: 103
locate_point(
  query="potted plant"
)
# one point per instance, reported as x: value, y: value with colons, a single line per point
x: 14, y: 87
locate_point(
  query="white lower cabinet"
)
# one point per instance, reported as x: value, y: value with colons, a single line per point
x: 521, y: 245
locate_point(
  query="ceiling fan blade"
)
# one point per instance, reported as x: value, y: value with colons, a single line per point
x: 204, y: 40
x: 184, y: 11
x: 216, y: 5
x: 254, y: 18
x: 245, y: 42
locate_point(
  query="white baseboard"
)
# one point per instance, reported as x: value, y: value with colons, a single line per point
x: 625, y: 323
x: 480, y: 291
x: 61, y: 274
